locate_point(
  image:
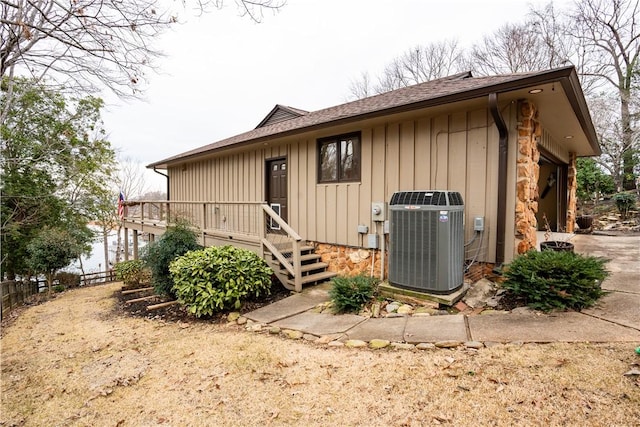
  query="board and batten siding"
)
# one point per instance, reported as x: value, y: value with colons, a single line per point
x: 455, y: 152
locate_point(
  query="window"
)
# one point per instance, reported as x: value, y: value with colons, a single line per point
x: 339, y: 158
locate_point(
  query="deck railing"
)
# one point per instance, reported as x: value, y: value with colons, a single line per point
x: 225, y: 217
x: 250, y: 223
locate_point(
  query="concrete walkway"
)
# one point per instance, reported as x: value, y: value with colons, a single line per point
x: 616, y: 317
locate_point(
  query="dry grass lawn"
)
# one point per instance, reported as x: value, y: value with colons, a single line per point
x: 76, y: 361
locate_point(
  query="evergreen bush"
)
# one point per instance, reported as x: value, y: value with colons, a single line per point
x: 624, y: 202
x: 68, y: 280
x: 219, y: 278
x: 176, y: 241
x: 350, y: 294
x: 550, y: 280
x: 130, y: 272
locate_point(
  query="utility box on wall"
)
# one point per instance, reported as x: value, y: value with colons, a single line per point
x: 426, y: 233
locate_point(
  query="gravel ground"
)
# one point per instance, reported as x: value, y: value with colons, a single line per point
x: 80, y: 360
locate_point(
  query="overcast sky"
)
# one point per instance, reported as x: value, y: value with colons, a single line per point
x: 222, y: 73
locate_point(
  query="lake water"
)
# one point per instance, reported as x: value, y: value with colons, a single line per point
x: 95, y: 261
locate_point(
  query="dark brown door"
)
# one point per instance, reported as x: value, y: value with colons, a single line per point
x: 277, y: 186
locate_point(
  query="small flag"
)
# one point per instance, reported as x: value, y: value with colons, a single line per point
x: 121, y: 206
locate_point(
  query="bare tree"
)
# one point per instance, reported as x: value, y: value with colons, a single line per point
x: 92, y: 43
x: 417, y: 65
x: 610, y: 32
x: 607, y: 124
x: 517, y: 48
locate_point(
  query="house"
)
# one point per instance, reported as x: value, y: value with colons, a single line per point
x: 507, y: 143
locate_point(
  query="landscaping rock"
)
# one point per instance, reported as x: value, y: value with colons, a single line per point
x: 335, y: 344
x: 376, y: 343
x: 241, y: 320
x: 479, y: 293
x: 355, y: 343
x: 402, y: 346
x: 326, y: 339
x: 405, y: 309
x: 375, y: 309
x: 294, y: 335
x: 233, y: 316
x: 448, y: 344
x: 309, y: 337
x: 474, y: 344
x: 274, y: 330
x: 426, y: 346
x: 392, y: 307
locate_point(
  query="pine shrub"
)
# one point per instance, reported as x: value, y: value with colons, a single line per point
x: 176, y: 241
x: 550, y: 280
x: 350, y: 294
x: 219, y: 278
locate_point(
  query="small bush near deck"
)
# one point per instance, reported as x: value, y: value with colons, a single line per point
x: 130, y: 272
x: 68, y: 280
x: 350, y: 294
x: 176, y: 241
x: 550, y: 280
x: 218, y: 278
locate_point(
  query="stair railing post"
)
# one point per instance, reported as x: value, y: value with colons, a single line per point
x: 297, y: 278
x: 262, y: 232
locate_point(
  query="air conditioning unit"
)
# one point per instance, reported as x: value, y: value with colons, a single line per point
x: 426, y: 247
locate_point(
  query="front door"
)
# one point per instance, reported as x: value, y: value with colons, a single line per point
x: 277, y: 186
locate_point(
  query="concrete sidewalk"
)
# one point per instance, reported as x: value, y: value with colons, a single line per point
x: 616, y: 317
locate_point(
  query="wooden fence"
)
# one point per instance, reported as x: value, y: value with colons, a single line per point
x: 15, y: 293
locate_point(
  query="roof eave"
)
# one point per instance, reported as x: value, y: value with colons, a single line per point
x: 566, y: 76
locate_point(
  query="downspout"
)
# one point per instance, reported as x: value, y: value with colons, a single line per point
x: 166, y: 176
x: 503, y: 150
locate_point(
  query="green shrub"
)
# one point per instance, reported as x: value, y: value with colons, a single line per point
x: 176, y: 241
x: 350, y: 294
x: 58, y: 288
x: 548, y: 280
x: 68, y: 280
x: 218, y: 278
x: 624, y: 203
x: 130, y: 272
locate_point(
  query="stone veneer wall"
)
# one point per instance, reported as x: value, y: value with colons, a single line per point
x: 350, y: 261
x: 528, y: 172
x: 572, y: 186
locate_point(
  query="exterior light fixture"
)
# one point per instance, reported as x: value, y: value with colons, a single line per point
x: 568, y: 137
x: 535, y: 91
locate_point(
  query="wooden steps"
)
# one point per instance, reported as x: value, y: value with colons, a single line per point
x: 312, y: 270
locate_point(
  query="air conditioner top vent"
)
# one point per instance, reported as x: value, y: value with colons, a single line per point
x: 433, y: 198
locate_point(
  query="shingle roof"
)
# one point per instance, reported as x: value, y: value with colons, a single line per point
x: 435, y: 92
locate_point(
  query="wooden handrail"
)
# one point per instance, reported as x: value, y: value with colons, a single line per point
x: 282, y: 223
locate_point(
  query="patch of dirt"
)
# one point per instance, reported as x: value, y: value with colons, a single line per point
x: 76, y: 361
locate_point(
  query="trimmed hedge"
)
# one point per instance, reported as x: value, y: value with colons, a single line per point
x: 219, y: 278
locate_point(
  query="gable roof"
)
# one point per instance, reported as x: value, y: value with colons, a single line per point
x: 281, y: 113
x: 441, y: 91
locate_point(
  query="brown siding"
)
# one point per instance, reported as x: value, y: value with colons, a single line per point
x: 457, y: 152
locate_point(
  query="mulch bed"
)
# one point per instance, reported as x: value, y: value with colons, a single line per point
x: 178, y: 313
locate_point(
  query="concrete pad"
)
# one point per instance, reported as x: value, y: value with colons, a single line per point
x: 320, y: 323
x: 388, y: 290
x: 560, y: 327
x: 290, y: 306
x: 390, y: 329
x: 617, y: 307
x: 435, y: 328
x: 623, y: 281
